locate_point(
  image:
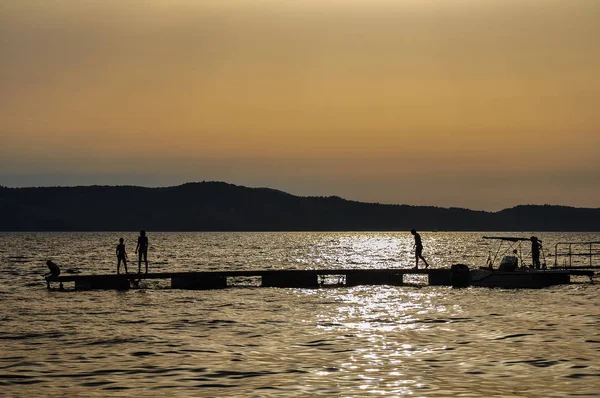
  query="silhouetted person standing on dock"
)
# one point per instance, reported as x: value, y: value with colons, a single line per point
x: 142, y: 249
x: 54, y: 272
x: 418, y: 249
x: 535, y: 252
x: 121, y: 256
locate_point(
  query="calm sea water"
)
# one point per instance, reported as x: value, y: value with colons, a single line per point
x: 266, y: 342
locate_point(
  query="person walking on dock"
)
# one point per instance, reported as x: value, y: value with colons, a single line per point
x: 418, y: 249
x: 142, y: 249
x: 121, y: 256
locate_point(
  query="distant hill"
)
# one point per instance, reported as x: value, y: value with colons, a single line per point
x: 218, y: 206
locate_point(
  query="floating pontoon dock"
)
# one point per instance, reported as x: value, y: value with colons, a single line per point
x: 279, y: 278
x: 265, y: 278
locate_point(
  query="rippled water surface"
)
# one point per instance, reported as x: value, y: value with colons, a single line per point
x: 351, y: 342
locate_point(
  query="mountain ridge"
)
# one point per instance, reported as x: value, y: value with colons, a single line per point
x: 221, y: 206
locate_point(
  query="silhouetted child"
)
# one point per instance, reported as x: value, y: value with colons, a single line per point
x: 121, y: 256
x: 142, y: 249
x: 54, y: 272
x: 418, y: 249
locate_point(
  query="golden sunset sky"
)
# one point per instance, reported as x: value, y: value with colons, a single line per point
x: 483, y: 104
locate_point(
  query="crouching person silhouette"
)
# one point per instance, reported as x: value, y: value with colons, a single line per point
x: 53, y: 274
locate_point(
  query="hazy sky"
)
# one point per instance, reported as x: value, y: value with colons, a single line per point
x: 472, y: 103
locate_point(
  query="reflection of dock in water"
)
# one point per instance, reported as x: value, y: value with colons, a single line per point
x: 457, y: 277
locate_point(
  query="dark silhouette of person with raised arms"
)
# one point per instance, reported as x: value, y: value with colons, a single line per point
x: 142, y: 249
x: 121, y: 256
x: 54, y: 272
x: 536, y: 244
x: 418, y: 249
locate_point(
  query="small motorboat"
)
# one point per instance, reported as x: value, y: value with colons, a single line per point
x: 511, y: 272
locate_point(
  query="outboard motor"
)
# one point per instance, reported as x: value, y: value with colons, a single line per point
x: 460, y: 275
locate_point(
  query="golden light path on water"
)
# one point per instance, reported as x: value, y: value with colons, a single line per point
x: 417, y: 340
x: 372, y: 315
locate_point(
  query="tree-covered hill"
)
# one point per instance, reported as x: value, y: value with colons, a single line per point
x: 218, y: 206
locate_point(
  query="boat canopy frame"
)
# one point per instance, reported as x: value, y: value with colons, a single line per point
x: 514, y: 247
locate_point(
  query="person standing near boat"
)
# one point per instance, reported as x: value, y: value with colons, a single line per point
x: 418, y: 249
x: 142, y: 249
x: 121, y: 256
x: 535, y: 252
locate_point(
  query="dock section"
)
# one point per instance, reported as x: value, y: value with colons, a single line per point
x: 458, y: 275
x: 266, y: 278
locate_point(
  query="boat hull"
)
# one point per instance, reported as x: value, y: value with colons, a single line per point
x: 531, y: 279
